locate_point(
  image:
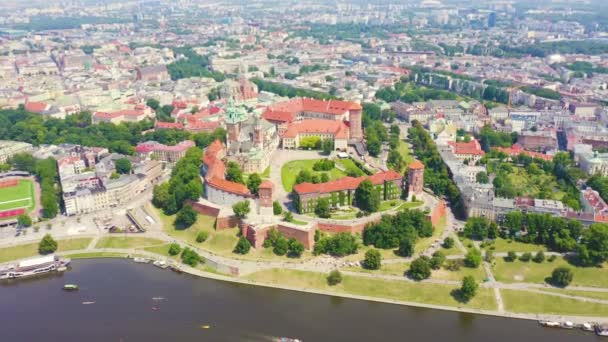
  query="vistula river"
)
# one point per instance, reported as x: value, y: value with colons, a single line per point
x: 124, y: 310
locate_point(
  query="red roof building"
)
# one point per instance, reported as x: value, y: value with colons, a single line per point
x: 218, y: 189
x: 467, y: 150
x: 341, y: 192
x: 516, y: 150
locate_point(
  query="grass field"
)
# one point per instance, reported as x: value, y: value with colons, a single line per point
x: 405, y: 153
x: 399, y: 269
x: 586, y: 294
x: 126, y: 242
x: 532, y: 302
x: 531, y: 272
x: 424, y: 243
x: 31, y: 249
x: 503, y: 246
x: 20, y: 196
x: 350, y: 164
x: 290, y: 170
x: 378, y: 288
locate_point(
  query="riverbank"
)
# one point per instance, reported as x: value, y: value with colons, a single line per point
x: 245, y: 281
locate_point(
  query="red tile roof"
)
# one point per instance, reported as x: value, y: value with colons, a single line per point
x: 216, y: 170
x: 338, y: 128
x: 266, y: 185
x: 472, y: 148
x: 516, y: 150
x: 416, y: 165
x: 168, y: 125
x: 286, y: 111
x: 36, y: 107
x: 346, y: 183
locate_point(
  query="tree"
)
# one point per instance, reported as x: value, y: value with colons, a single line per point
x: 595, y: 240
x: 202, y: 237
x: 281, y: 245
x: 482, y: 177
x: 511, y: 256
x: 174, y: 249
x: 190, y: 257
x: 123, y: 166
x: 373, y: 146
x: 241, y: 209
x: 448, y: 243
x: 473, y: 258
x: 186, y: 217
x: 406, y: 247
x: 253, y: 183
x: 327, y: 146
x: 437, y: 260
x: 234, y: 173
x: 539, y: 257
x: 242, y: 246
x: 367, y: 197
x: 47, y: 245
x: 561, y: 276
x: 420, y: 268
x: 24, y: 220
x: 468, y: 290
x: 277, y: 209
x: 153, y: 103
x: 334, y: 278
x: 287, y: 216
x: 322, y: 208
x: 295, y: 249
x: 373, y: 259
x: 526, y: 257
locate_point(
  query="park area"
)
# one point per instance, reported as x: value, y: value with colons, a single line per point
x: 290, y: 171
x: 20, y: 195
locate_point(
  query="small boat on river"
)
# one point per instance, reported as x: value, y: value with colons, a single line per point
x: 70, y: 287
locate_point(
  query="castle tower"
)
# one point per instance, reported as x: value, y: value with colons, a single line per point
x: 354, y: 118
x: 265, y: 198
x: 233, y: 131
x: 257, y: 132
x: 415, y: 178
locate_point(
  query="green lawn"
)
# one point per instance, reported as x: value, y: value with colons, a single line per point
x: 587, y: 294
x: 528, y: 185
x: 424, y: 243
x: 503, y: 246
x: 405, y: 153
x: 378, y: 288
x: 31, y: 249
x: 20, y: 196
x: 350, y: 164
x: 126, y: 242
x: 399, y: 269
x: 160, y: 250
x: 532, y: 302
x: 97, y: 255
x: 531, y: 272
x: 290, y: 170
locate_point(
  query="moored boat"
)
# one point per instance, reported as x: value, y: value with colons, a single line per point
x: 587, y: 326
x: 549, y: 324
x: 161, y: 264
x: 567, y: 325
x: 33, y: 266
x: 141, y: 260
x: 601, y: 329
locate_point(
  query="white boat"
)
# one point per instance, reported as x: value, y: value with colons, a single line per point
x: 141, y: 260
x: 87, y: 303
x: 587, y: 326
x: 33, y: 266
x: 550, y: 324
x: 567, y: 325
x: 161, y: 264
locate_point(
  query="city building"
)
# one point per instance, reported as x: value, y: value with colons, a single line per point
x: 470, y: 151
x: 10, y: 148
x: 341, y: 192
x: 161, y: 152
x: 415, y: 179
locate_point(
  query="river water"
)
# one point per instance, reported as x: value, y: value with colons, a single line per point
x: 124, y: 310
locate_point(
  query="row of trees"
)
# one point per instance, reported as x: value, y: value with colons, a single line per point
x: 398, y: 231
x: 436, y: 174
x: 283, y: 246
x: 289, y: 91
x: 20, y: 125
x: 339, y: 245
x: 185, y: 184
